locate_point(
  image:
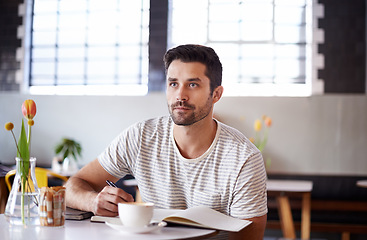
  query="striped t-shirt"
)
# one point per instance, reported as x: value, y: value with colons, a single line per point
x: 229, y: 177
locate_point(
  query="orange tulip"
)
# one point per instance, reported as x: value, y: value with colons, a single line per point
x: 268, y: 121
x: 29, y: 109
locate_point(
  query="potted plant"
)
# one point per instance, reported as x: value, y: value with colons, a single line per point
x: 67, y: 148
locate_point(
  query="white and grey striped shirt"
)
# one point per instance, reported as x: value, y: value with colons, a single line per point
x: 229, y: 177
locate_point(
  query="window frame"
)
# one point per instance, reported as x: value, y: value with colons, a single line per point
x: 311, y: 84
x: 156, y: 75
x: 85, y: 88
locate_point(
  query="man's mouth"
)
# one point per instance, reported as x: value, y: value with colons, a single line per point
x: 182, y: 106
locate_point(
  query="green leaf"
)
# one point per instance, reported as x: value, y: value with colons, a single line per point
x: 66, y: 153
x: 69, y: 147
x: 24, y: 151
x: 58, y: 148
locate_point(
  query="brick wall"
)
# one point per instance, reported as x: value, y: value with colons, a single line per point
x: 9, y: 21
x: 157, y: 44
x: 344, y: 49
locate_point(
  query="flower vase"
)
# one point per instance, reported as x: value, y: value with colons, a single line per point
x: 69, y: 166
x: 22, y: 205
x: 56, y: 165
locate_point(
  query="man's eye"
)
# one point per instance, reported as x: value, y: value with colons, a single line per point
x: 193, y: 85
x: 173, y: 84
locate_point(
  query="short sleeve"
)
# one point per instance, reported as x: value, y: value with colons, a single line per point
x: 250, y: 195
x: 118, y: 158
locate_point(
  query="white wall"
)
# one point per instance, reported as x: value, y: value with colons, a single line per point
x: 313, y: 135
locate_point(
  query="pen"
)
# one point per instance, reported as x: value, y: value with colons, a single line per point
x: 111, y: 183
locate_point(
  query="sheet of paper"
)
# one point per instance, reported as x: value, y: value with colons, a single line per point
x: 204, y: 216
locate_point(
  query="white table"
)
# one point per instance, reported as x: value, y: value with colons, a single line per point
x: 281, y: 189
x: 94, y: 231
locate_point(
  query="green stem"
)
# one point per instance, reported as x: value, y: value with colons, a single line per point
x: 16, y: 144
x: 257, y: 139
x: 23, y: 182
x: 29, y: 139
x: 26, y: 176
x: 264, y: 141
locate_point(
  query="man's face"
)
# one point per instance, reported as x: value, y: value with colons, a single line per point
x: 188, y: 92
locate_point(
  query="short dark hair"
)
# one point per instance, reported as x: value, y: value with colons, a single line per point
x: 197, y: 53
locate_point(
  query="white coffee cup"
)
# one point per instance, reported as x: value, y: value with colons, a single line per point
x: 135, y: 214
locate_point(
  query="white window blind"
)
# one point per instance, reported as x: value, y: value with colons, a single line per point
x: 90, y: 46
x: 264, y: 45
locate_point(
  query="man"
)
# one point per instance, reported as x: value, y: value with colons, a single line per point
x: 185, y: 159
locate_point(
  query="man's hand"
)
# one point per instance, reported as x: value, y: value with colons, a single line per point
x: 87, y: 190
x: 106, y: 202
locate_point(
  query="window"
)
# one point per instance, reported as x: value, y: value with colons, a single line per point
x: 90, y: 47
x: 264, y: 45
x: 101, y: 47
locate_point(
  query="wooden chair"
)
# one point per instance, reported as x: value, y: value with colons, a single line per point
x: 42, y: 176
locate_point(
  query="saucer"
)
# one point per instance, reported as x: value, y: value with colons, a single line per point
x: 149, y: 228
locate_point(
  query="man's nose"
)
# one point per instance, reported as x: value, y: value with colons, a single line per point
x: 181, y: 95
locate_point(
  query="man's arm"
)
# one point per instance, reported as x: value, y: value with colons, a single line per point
x: 87, y: 191
x: 254, y: 231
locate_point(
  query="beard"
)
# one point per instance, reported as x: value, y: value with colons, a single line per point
x: 194, y: 114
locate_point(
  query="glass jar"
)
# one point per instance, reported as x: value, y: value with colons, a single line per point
x: 22, y: 205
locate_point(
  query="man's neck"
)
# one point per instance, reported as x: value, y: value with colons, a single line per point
x: 194, y: 140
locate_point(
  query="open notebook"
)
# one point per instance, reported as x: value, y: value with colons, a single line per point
x: 199, y: 216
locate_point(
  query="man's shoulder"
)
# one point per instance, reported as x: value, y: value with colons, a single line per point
x: 229, y: 131
x: 164, y: 121
x: 160, y: 124
x: 233, y: 137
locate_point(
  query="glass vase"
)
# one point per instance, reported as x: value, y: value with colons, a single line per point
x: 22, y: 205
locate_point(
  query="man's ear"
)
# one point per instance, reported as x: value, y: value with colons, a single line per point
x: 217, y: 94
